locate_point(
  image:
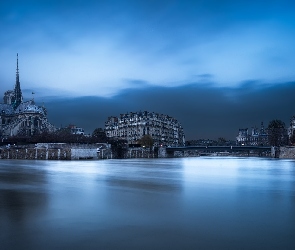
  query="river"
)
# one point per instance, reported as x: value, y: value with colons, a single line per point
x: 183, y: 203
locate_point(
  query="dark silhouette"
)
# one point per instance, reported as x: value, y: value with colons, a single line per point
x: 62, y: 135
x: 146, y: 141
x: 99, y: 135
x: 277, y: 133
x: 292, y: 139
x: 119, y: 148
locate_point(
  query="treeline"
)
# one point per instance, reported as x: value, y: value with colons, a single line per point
x: 63, y: 135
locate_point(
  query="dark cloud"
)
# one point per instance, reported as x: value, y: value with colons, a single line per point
x: 204, y: 112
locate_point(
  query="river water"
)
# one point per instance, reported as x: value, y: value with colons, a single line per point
x: 187, y: 203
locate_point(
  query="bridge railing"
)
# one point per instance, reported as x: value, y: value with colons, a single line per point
x: 220, y: 148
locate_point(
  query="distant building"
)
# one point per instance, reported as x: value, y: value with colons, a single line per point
x: 257, y: 137
x: 291, y: 130
x: 165, y: 130
x: 76, y: 130
x: 19, y: 118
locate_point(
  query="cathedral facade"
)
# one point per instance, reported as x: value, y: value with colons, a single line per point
x: 21, y: 118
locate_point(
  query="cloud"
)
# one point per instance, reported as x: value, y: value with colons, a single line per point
x: 204, y: 112
x: 99, y: 44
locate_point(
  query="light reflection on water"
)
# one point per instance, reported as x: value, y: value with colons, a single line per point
x: 188, y: 203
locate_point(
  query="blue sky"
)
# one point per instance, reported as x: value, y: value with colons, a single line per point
x: 70, y: 49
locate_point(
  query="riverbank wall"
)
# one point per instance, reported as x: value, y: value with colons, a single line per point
x: 287, y: 152
x: 140, y: 152
x: 65, y: 151
x: 162, y: 153
x: 50, y: 151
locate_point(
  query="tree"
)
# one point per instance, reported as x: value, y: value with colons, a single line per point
x: 118, y: 147
x: 62, y: 135
x: 146, y: 141
x: 277, y: 133
x: 292, y: 139
x: 98, y: 135
x: 221, y: 141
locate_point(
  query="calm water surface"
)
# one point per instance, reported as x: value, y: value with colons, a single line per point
x: 189, y: 203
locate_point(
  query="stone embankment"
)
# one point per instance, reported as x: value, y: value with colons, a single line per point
x: 140, y: 153
x: 287, y: 152
x: 182, y: 153
x: 53, y: 151
x: 64, y: 151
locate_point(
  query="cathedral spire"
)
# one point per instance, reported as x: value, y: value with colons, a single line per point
x: 17, y: 71
x: 18, y: 98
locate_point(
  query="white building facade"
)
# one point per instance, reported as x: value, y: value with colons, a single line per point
x: 165, y: 130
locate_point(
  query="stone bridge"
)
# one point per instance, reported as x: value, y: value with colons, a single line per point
x: 258, y: 149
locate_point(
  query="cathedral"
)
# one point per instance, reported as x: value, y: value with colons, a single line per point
x: 21, y: 118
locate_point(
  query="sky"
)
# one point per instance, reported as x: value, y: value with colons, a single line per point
x: 216, y: 66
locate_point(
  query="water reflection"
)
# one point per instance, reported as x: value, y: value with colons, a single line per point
x: 193, y: 203
x: 18, y: 205
x: 146, y: 175
x: 21, y: 190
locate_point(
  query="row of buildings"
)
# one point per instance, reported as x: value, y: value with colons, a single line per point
x: 259, y: 136
x: 254, y: 137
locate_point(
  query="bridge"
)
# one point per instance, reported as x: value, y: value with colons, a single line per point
x: 259, y: 149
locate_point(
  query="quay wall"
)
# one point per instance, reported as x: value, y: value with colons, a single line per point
x: 50, y: 151
x: 36, y: 154
x: 83, y: 153
x: 287, y: 152
x: 162, y: 153
x: 140, y: 153
x: 63, y: 151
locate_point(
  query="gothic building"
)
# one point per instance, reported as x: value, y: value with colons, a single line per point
x: 21, y: 118
x: 257, y: 137
x: 164, y: 130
